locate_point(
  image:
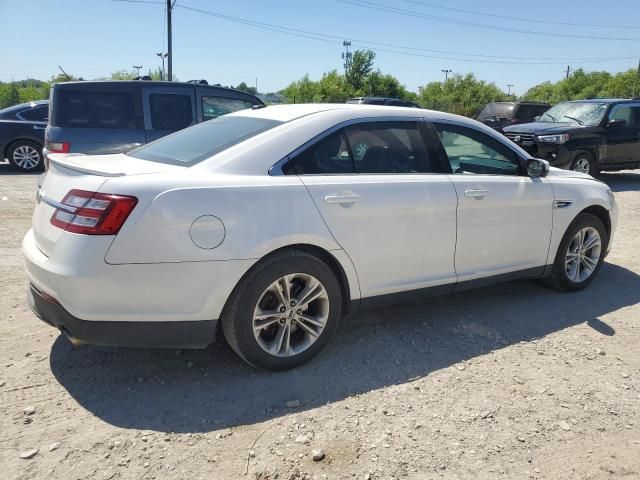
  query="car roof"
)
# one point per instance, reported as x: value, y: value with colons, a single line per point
x: 600, y: 100
x: 289, y: 112
x: 21, y: 106
x: 148, y: 83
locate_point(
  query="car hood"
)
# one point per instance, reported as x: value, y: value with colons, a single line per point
x: 543, y: 128
x: 560, y: 173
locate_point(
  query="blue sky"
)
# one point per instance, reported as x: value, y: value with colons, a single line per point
x: 92, y: 38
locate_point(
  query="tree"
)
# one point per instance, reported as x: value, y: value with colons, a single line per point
x: 359, y: 67
x: 464, y: 95
x: 9, y: 95
x: 243, y: 87
x: 302, y: 91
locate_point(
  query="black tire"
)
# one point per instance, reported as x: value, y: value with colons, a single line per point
x: 558, y: 278
x: 579, y: 159
x: 15, y: 155
x: 237, y: 316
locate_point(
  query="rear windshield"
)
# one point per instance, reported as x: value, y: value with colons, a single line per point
x: 79, y: 109
x: 195, y: 144
x: 502, y: 110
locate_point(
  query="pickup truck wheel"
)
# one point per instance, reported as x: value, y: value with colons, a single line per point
x: 584, y: 162
x: 25, y: 156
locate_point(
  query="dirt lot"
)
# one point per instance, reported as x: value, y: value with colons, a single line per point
x: 513, y: 381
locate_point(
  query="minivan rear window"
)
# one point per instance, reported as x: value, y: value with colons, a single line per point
x: 199, y: 142
x: 79, y: 109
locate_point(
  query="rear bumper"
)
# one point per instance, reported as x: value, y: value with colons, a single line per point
x: 184, y: 334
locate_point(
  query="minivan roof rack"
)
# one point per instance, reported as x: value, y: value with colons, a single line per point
x: 143, y: 77
x: 199, y: 82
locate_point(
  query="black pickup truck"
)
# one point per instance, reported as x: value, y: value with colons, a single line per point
x: 22, y: 134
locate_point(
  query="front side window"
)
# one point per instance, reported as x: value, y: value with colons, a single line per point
x: 193, y: 145
x: 170, y: 111
x: 630, y: 114
x: 472, y: 152
x: 213, y: 107
x: 37, y: 114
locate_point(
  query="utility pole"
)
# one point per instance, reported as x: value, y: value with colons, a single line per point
x: 509, y: 85
x: 170, y: 55
x: 635, y: 84
x: 568, y: 71
x: 137, y: 67
x: 162, y: 57
x: 446, y: 74
x: 346, y: 55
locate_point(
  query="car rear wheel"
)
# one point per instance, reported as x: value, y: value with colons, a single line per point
x: 284, y: 311
x: 585, y: 163
x: 580, y: 254
x: 25, y: 156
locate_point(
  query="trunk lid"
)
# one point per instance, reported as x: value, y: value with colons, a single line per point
x: 68, y: 172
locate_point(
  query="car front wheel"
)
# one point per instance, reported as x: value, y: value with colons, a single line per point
x: 25, y: 156
x: 585, y: 163
x: 580, y: 254
x: 284, y: 311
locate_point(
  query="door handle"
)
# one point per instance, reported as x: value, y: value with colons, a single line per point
x: 476, y: 193
x: 35, y: 127
x: 342, y: 199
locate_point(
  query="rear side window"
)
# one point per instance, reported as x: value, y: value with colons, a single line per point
x: 95, y: 110
x: 376, y: 147
x: 193, y: 145
x: 502, y: 110
x: 170, y: 111
x: 213, y: 107
x: 37, y: 114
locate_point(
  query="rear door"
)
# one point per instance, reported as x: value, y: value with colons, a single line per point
x: 623, y: 142
x: 380, y: 195
x: 167, y: 110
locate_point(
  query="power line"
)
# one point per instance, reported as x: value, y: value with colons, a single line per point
x: 366, y: 43
x: 411, y: 13
x: 518, y: 19
x: 390, y: 48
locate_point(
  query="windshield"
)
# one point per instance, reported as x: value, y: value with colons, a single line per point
x: 195, y: 144
x: 582, y: 113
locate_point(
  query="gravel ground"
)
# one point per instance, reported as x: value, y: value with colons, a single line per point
x: 513, y: 381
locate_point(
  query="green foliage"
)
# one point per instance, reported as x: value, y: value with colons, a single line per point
x: 23, y: 91
x: 582, y: 85
x: 360, y: 66
x: 243, y: 87
x: 464, y: 95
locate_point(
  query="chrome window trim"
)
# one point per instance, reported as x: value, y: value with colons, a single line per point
x: 276, y: 169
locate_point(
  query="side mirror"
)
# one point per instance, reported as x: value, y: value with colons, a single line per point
x: 536, y: 118
x: 537, y: 167
x: 616, y: 123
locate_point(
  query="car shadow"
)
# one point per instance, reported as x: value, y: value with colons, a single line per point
x: 621, y: 181
x: 7, y: 169
x: 206, y: 390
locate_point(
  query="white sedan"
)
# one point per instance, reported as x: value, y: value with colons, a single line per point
x: 277, y: 222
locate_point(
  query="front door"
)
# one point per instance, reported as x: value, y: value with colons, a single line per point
x: 504, y: 217
x: 623, y: 141
x: 373, y: 186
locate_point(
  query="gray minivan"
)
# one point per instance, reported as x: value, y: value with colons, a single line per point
x: 115, y: 116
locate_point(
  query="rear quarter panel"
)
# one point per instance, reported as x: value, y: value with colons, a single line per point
x: 260, y: 214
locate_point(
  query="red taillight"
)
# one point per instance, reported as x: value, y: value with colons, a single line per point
x: 58, y: 147
x: 92, y: 213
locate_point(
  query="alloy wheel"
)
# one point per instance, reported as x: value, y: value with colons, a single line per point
x: 290, y: 315
x: 583, y: 254
x: 26, y: 157
x: 582, y: 165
